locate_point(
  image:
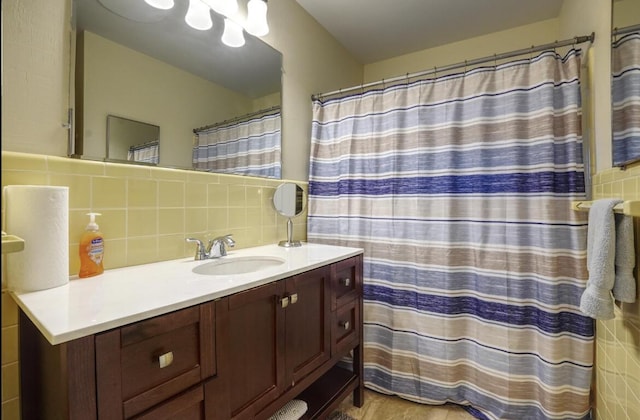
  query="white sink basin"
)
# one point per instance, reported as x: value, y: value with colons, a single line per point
x: 238, y: 265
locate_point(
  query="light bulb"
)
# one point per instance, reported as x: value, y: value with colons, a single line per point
x: 257, y: 18
x: 232, y: 35
x: 226, y: 8
x: 160, y: 4
x: 198, y: 15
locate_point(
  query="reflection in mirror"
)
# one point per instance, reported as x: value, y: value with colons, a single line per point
x: 132, y: 140
x: 288, y: 200
x: 625, y: 88
x: 248, y: 145
x: 149, y: 65
x: 625, y: 82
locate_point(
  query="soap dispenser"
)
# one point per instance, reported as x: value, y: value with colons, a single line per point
x: 91, y: 249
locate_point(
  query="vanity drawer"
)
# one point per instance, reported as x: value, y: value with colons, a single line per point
x: 344, y: 329
x: 345, y: 281
x: 143, y: 364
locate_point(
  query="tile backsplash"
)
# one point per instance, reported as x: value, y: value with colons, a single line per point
x: 147, y: 213
x: 617, y: 364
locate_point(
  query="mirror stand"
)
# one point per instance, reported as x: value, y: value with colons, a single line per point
x: 288, y: 200
x: 289, y: 243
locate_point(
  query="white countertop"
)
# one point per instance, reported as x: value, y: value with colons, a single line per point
x: 125, y: 295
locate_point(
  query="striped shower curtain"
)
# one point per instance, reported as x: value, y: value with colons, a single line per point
x: 250, y: 147
x: 147, y: 153
x: 626, y: 98
x: 458, y: 189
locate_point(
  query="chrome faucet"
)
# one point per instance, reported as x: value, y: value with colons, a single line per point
x: 216, y: 247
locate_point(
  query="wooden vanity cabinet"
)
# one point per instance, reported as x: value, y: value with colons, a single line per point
x: 275, y: 335
x: 242, y: 356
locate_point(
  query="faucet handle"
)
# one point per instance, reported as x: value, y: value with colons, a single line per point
x: 201, y: 251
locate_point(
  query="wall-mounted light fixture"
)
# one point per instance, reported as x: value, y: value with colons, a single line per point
x: 198, y: 17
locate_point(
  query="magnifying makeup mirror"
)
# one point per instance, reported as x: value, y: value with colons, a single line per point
x: 288, y: 200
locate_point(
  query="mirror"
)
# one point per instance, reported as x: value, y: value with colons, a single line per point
x: 288, y: 200
x: 145, y: 64
x: 133, y: 141
x: 625, y: 82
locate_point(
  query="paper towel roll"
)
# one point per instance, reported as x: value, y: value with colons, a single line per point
x: 39, y: 215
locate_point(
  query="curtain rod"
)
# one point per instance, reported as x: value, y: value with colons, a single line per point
x: 625, y: 30
x: 495, y: 57
x: 144, y: 145
x: 237, y: 119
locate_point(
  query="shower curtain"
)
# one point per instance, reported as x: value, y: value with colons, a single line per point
x: 147, y: 152
x: 250, y: 147
x: 626, y: 98
x: 458, y: 189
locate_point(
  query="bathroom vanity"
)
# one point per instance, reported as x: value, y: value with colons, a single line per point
x: 160, y: 341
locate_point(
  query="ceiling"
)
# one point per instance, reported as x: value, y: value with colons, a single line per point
x: 374, y: 30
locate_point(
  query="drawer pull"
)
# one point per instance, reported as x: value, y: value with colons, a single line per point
x: 294, y: 298
x: 165, y: 359
x: 345, y: 325
x: 284, y: 302
x: 345, y: 282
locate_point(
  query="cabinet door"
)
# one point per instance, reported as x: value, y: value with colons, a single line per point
x: 255, y: 351
x: 308, y: 320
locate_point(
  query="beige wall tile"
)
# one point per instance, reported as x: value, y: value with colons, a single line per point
x: 108, y: 192
x: 9, y: 310
x: 11, y: 409
x: 79, y: 189
x: 171, y: 194
x: 196, y: 195
x: 196, y: 221
x: 61, y: 165
x: 10, y: 381
x: 115, y: 253
x: 142, y: 250
x: 218, y: 195
x: 24, y: 162
x: 9, y: 344
x: 171, y: 221
x: 142, y: 222
x: 218, y: 218
x: 142, y: 193
x: 171, y: 247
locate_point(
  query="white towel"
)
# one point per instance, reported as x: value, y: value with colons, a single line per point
x: 596, y: 300
x: 624, y: 286
x: 292, y: 410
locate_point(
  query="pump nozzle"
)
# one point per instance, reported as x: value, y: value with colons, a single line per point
x: 92, y: 221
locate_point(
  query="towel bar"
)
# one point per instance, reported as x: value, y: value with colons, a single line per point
x: 629, y: 207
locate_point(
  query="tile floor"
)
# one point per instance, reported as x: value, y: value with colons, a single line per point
x: 384, y: 407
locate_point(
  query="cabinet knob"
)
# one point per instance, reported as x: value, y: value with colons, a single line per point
x: 294, y: 298
x: 284, y: 302
x: 345, y: 282
x: 165, y: 359
x: 345, y: 324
